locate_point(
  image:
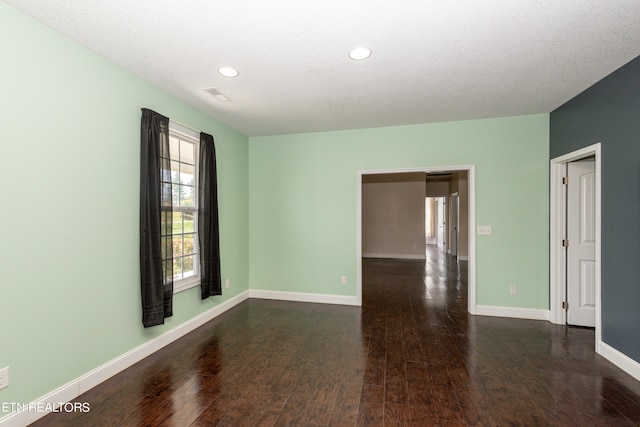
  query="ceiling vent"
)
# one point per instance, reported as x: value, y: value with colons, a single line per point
x: 217, y: 94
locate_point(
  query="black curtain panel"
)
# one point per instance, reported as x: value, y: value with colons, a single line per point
x: 208, y: 231
x: 156, y: 217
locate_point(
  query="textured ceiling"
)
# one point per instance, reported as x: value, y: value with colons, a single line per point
x: 432, y: 60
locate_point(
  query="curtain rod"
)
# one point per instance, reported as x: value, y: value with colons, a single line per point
x: 185, y: 126
x: 175, y: 121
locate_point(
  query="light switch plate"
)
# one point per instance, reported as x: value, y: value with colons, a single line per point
x: 485, y: 230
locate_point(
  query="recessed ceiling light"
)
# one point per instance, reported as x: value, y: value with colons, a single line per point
x: 360, y: 53
x: 228, y: 72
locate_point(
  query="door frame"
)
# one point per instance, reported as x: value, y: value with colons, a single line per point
x: 558, y: 228
x: 471, y: 176
x: 441, y: 223
x: 454, y: 222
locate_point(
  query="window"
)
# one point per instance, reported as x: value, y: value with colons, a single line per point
x: 177, y: 167
x: 183, y: 151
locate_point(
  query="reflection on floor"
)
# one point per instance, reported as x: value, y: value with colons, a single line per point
x: 411, y: 355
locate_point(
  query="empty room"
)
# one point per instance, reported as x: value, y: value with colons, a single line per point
x: 320, y: 213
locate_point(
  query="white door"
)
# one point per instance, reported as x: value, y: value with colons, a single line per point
x: 581, y: 234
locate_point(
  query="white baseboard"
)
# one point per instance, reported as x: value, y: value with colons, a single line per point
x: 463, y: 258
x: 91, y: 379
x: 619, y: 359
x: 514, y: 312
x: 303, y: 297
x: 80, y: 385
x: 395, y: 256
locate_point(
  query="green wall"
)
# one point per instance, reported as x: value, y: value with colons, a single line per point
x: 69, y: 293
x: 303, y: 202
x: 69, y: 126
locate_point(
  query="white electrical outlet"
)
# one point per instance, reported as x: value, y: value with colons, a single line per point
x: 4, y: 377
x: 343, y: 280
x: 513, y: 289
x: 227, y: 283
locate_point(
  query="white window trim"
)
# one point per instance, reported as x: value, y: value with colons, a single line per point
x: 193, y: 135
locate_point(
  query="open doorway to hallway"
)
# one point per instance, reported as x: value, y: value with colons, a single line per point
x: 397, y: 220
x: 404, y: 212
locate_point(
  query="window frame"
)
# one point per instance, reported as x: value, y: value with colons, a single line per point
x: 183, y: 133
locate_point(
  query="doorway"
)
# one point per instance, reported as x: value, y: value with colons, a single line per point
x: 436, y: 230
x: 559, y: 229
x: 430, y: 220
x: 469, y: 222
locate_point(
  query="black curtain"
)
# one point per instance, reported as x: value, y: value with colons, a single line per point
x: 208, y: 231
x: 156, y: 217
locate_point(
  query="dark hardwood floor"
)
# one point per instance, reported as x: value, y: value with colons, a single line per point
x: 410, y: 356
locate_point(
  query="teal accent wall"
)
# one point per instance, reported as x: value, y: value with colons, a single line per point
x: 69, y: 144
x: 609, y: 112
x: 303, y: 202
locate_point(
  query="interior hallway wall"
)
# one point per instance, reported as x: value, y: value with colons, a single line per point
x: 462, y: 188
x: 393, y: 215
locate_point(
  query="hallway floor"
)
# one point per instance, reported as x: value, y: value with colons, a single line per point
x: 410, y: 356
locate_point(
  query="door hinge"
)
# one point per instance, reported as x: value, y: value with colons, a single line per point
x: 565, y: 180
x: 565, y: 243
x: 565, y: 305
